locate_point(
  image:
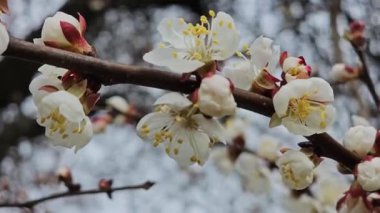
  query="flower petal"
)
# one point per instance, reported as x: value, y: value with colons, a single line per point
x: 225, y: 37
x: 68, y: 105
x: 240, y: 73
x: 171, y: 30
x: 324, y: 92
x: 295, y: 127
x: 52, y: 31
x: 43, y: 81
x: 193, y: 148
x: 211, y: 127
x: 171, y: 58
x: 152, y: 123
x: 264, y: 53
x: 77, y: 140
x: 175, y: 100
x: 54, y: 71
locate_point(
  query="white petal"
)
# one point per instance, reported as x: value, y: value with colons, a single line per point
x: 240, y: 73
x: 68, y: 105
x: 295, y: 127
x: 172, y: 59
x: 224, y: 31
x: 290, y: 62
x: 194, y: 144
x: 246, y: 163
x: 324, y: 91
x: 281, y: 100
x: 211, y: 127
x: 155, y: 121
x: 221, y: 159
x: 118, y: 103
x: 314, y: 120
x: 175, y: 100
x: 52, y: 31
x: 263, y: 53
x: 40, y: 81
x: 171, y: 30
x: 77, y: 140
x: 4, y: 38
x: 52, y: 70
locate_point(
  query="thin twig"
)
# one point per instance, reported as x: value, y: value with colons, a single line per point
x: 32, y: 203
x: 112, y: 73
x: 365, y: 75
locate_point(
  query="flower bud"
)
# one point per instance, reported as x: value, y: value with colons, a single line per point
x: 64, y: 175
x: 360, y: 139
x: 369, y: 174
x: 296, y: 169
x: 355, y: 34
x: 342, y: 73
x: 215, y: 96
x: 295, y: 68
x: 63, y: 31
x: 269, y: 148
x: 105, y: 185
x: 118, y: 103
x: 221, y: 160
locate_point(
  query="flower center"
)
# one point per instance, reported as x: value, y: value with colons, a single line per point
x: 199, y: 39
x: 301, y: 108
x: 57, y: 123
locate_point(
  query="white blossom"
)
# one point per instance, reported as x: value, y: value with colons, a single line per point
x: 187, y: 47
x: 65, y: 32
x: 360, y: 139
x: 222, y: 160
x: 215, y: 96
x: 235, y: 126
x: 61, y: 113
x: 4, y: 38
x: 296, y: 169
x: 369, y: 174
x: 186, y: 134
x: 268, y: 148
x: 264, y: 56
x: 304, y: 106
x: 119, y: 103
x: 342, y: 73
x: 295, y: 68
x: 254, y: 174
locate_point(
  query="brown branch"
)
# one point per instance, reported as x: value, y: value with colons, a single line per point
x: 32, y: 203
x: 112, y: 73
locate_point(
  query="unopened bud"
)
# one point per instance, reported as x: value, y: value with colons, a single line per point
x: 106, y: 185
x: 64, y: 175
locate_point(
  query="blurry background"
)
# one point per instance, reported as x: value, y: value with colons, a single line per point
x: 123, y: 31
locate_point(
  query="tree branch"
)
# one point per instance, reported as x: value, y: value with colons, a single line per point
x: 112, y: 73
x: 32, y: 203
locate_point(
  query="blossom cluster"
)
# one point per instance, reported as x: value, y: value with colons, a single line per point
x: 363, y: 141
x: 302, y: 104
x: 253, y: 167
x: 64, y: 97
